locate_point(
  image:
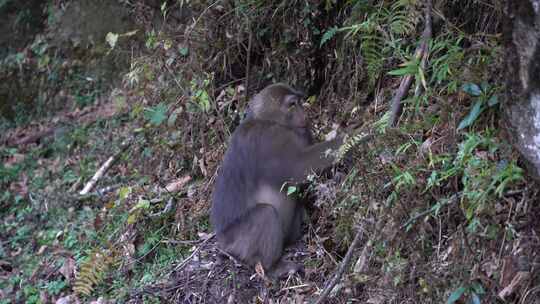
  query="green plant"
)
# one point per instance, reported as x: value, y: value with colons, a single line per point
x: 31, y: 294
x: 156, y: 115
x: 378, y: 33
x: 92, y: 271
x: 199, y: 93
x: 152, y: 40
x: 482, y: 177
x: 474, y: 290
x: 446, y: 57
x: 403, y: 179
x: 55, y: 287
x: 485, y: 97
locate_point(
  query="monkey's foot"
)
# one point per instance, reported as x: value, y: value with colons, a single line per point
x: 285, y: 268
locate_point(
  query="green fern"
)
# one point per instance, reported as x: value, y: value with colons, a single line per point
x: 379, y: 32
x: 401, y: 18
x: 352, y: 142
x: 371, y: 48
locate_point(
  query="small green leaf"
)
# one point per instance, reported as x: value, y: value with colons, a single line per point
x: 455, y: 295
x: 485, y: 86
x: 477, y: 288
x: 331, y: 32
x: 472, y: 116
x: 124, y: 192
x: 407, y: 68
x: 291, y: 190
x: 156, y: 115
x: 493, y: 100
x: 399, y: 72
x: 142, y: 204
x: 471, y: 89
x: 172, y: 119
x: 184, y: 51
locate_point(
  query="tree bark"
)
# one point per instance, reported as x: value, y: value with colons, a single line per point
x: 522, y: 100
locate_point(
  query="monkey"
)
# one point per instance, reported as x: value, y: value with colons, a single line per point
x: 253, y: 218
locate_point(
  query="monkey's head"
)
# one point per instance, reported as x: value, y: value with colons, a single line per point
x: 281, y: 104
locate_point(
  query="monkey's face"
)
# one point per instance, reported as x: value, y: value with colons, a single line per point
x: 281, y: 104
x: 293, y: 112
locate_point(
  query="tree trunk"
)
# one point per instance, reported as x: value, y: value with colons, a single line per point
x: 522, y: 104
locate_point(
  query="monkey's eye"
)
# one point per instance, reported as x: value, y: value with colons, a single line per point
x: 291, y: 103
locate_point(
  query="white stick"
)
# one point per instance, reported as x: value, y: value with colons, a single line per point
x: 101, y: 171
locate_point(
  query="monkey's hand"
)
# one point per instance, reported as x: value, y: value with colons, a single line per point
x: 332, y: 134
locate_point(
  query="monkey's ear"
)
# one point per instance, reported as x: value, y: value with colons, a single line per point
x: 254, y: 108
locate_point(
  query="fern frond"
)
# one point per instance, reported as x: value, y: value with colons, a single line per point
x: 352, y: 142
x: 372, y: 51
x: 402, y: 18
x: 92, y: 271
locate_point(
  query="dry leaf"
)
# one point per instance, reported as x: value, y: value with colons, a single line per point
x: 68, y: 269
x: 41, y: 249
x: 178, y: 184
x: 13, y: 159
x: 259, y: 269
x: 520, y: 278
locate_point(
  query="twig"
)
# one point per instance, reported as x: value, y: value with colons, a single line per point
x: 192, y: 27
x: 248, y: 61
x: 186, y: 260
x: 344, y: 264
x: 101, y: 171
x: 397, y: 105
x: 454, y: 198
x: 165, y: 210
x: 528, y: 293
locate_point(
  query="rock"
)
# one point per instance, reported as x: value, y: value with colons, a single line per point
x: 522, y: 104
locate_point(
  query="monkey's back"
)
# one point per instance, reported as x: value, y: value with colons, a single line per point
x: 260, y: 153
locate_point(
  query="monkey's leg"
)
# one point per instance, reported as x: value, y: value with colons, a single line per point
x: 295, y: 231
x: 273, y: 237
x: 256, y: 237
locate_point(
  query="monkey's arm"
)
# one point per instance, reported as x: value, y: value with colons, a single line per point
x: 319, y: 156
x: 301, y: 161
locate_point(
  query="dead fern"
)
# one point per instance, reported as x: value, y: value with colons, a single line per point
x: 92, y: 271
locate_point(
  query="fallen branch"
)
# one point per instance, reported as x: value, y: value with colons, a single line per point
x: 101, y: 171
x: 344, y: 264
x: 421, y: 52
x: 32, y: 137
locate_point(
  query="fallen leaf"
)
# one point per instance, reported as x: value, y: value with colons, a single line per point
x: 177, y: 184
x: 13, y: 159
x: 259, y: 269
x: 517, y: 281
x: 68, y: 269
x: 42, y: 249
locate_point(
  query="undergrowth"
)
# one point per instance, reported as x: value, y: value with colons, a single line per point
x: 442, y: 199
